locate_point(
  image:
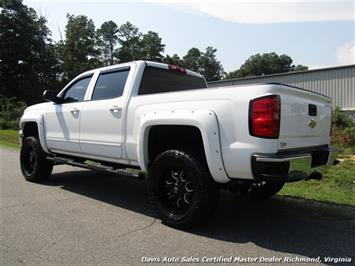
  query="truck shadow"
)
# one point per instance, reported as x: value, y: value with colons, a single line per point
x: 278, y: 224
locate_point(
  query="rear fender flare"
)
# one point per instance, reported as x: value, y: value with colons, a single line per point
x: 206, y: 121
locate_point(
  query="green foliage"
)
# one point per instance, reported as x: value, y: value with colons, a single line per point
x: 136, y: 46
x: 343, y: 138
x: 349, y: 136
x: 173, y: 60
x: 79, y: 48
x: 264, y: 64
x: 211, y: 68
x: 10, y: 112
x: 341, y: 120
x: 152, y: 47
x: 28, y: 64
x: 299, y: 68
x: 107, y: 42
x: 130, y: 41
x: 192, y: 60
x: 205, y: 63
x: 343, y: 132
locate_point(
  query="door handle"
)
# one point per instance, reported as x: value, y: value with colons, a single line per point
x: 115, y: 109
x: 74, y: 111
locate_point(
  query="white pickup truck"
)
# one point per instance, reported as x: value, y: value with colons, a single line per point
x: 191, y: 140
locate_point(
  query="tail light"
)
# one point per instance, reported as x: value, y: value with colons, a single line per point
x: 264, y: 117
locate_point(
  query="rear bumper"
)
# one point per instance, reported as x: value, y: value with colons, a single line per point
x: 294, y: 165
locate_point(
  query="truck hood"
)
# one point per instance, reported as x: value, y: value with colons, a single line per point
x: 39, y: 107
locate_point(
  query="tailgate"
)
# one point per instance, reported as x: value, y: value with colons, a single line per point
x: 305, y: 118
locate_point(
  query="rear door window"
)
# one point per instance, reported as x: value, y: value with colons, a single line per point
x: 110, y: 85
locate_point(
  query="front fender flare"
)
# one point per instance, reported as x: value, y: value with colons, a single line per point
x: 37, y: 118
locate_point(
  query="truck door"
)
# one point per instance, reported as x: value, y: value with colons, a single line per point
x: 101, y: 120
x: 62, y: 121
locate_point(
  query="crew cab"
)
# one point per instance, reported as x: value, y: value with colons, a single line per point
x: 188, y: 139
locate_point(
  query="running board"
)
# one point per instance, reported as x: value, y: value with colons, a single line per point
x: 94, y: 166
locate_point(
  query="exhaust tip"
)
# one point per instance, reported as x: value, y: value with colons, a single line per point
x: 315, y: 175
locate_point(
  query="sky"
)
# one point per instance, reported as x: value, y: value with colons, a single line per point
x: 317, y: 33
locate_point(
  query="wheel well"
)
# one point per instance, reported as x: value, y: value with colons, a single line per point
x: 167, y: 137
x: 30, y: 129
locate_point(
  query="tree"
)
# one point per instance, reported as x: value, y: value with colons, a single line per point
x: 130, y: 41
x: 210, y: 67
x: 205, y: 63
x: 192, y: 60
x: 300, y: 68
x: 264, y: 64
x: 27, y: 62
x: 80, y: 52
x: 152, y: 47
x: 173, y: 60
x: 107, y: 41
x: 138, y: 46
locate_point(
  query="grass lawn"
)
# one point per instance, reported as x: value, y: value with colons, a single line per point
x: 9, y: 138
x: 337, y: 185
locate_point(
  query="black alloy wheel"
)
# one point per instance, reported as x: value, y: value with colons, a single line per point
x: 176, y: 191
x: 181, y: 189
x: 34, y: 165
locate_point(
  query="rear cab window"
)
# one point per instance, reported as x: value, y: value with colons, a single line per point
x: 159, y: 80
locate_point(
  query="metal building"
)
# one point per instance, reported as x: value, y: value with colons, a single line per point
x: 335, y: 82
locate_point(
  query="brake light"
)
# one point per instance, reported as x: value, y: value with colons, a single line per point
x: 177, y: 69
x: 264, y: 117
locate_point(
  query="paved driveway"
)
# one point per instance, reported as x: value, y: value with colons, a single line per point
x: 86, y: 217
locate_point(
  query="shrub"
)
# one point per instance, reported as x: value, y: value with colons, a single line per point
x: 341, y: 120
x: 10, y: 112
x: 349, y: 136
x: 343, y: 137
x: 3, y: 124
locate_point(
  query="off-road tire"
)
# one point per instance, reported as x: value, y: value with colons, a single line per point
x: 203, y: 198
x: 36, y: 168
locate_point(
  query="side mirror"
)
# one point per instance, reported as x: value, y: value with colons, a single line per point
x: 51, y: 95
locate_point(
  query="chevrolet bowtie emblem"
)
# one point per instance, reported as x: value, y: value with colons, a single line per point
x: 312, y: 123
